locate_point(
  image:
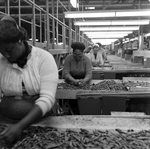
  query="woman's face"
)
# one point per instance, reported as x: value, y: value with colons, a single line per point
x: 77, y: 54
x: 88, y: 50
x: 95, y: 50
x: 12, y: 51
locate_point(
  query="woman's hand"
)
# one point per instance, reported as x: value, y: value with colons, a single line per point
x: 94, y: 64
x: 81, y: 82
x: 75, y: 82
x: 12, y: 133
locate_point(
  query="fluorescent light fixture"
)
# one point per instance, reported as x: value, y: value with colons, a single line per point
x: 89, y: 7
x: 109, y: 32
x: 127, y: 28
x: 74, y: 3
x: 133, y: 13
x: 112, y: 22
x: 103, y: 36
x: 101, y: 39
x: 107, y: 13
x: 104, y: 41
x: 88, y: 14
x: 133, y: 39
x: 106, y: 35
x: 117, y: 36
x: 146, y: 35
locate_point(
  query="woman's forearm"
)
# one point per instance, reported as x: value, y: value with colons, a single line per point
x: 87, y: 78
x: 69, y: 78
x: 34, y: 115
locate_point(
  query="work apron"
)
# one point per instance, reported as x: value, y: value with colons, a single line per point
x: 19, y: 106
x: 16, y: 107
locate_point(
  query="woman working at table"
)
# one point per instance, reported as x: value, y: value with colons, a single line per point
x: 28, y: 77
x: 96, y: 57
x: 88, y: 51
x: 77, y: 70
x: 77, y: 67
x: 102, y: 51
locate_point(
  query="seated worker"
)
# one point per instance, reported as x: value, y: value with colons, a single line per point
x: 77, y: 67
x: 77, y: 70
x: 96, y: 57
x: 28, y: 76
x: 88, y: 51
x: 102, y: 51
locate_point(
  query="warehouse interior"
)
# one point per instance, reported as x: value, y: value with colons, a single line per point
x: 113, y: 109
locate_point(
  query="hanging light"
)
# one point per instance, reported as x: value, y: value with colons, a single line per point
x: 108, y: 32
x: 112, y: 22
x: 109, y: 13
x: 104, y: 41
x: 106, y: 35
x: 127, y: 28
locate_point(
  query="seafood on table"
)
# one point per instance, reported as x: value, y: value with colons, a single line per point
x: 37, y: 137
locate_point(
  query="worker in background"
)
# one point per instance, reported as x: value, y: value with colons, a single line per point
x: 88, y: 51
x: 96, y: 57
x: 77, y: 70
x: 77, y: 67
x: 102, y: 51
x: 28, y: 76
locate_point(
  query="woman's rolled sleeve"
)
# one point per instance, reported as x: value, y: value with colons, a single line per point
x: 48, y: 84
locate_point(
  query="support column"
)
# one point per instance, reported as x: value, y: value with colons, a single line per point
x: 141, y: 42
x: 57, y: 31
x: 53, y: 26
x: 82, y: 38
x: 33, y: 25
x: 40, y: 26
x: 64, y: 34
x: 47, y: 19
x: 8, y: 7
x: 19, y: 12
x: 70, y: 29
x: 77, y: 33
x: 45, y: 29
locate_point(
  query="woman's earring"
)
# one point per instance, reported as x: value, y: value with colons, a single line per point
x: 19, y: 41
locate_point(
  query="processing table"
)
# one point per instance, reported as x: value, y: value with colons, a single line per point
x: 106, y: 100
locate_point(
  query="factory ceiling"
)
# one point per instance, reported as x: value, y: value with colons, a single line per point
x: 83, y: 6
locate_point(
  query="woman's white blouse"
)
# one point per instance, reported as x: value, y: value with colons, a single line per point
x: 98, y: 59
x: 39, y: 75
